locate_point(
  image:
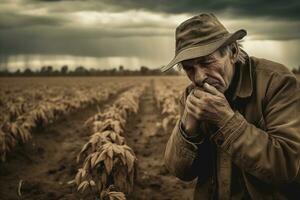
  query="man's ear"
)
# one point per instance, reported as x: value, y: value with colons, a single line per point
x: 234, y: 52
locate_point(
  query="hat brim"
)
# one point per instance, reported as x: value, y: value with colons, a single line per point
x: 204, y: 50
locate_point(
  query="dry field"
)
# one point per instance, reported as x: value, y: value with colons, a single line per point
x: 88, y: 138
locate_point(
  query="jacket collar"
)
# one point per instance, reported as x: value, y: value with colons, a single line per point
x: 244, y: 87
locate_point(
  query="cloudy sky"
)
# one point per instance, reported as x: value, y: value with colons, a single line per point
x: 109, y: 33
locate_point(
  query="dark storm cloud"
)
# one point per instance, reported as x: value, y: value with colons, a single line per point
x: 103, y: 28
x: 98, y: 42
x: 288, y: 9
x: 15, y: 20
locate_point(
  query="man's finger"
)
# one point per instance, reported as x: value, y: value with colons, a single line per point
x: 211, y: 89
x: 192, y: 112
x: 198, y: 93
x: 195, y: 100
x: 191, y: 105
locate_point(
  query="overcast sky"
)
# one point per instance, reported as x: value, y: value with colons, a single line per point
x: 109, y: 33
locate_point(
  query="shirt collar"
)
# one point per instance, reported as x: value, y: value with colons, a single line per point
x: 244, y: 86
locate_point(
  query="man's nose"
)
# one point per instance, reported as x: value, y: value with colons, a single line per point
x: 200, y: 75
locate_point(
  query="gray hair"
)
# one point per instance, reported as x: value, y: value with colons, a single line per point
x: 241, y: 57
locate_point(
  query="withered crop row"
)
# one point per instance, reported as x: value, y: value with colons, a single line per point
x: 21, y: 119
x: 167, y: 94
x: 108, y: 163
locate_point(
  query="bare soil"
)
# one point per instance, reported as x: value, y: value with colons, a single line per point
x: 47, y: 164
x: 148, y: 142
x: 45, y: 167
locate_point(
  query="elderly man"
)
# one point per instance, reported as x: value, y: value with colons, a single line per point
x: 239, y: 130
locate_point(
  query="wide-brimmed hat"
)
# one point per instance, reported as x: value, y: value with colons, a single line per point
x: 200, y: 36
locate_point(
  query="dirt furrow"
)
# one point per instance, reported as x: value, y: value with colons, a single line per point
x: 148, y: 141
x: 43, y: 168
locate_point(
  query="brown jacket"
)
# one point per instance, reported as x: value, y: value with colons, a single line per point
x: 256, y: 154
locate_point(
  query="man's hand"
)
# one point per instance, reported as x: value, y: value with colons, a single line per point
x: 205, y: 104
x: 210, y: 105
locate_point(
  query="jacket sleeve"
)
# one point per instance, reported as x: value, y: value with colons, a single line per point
x: 272, y: 154
x: 182, y: 157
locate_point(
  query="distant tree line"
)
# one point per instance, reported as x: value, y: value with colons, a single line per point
x: 82, y: 71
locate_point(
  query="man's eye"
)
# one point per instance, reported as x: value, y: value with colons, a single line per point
x: 207, y: 62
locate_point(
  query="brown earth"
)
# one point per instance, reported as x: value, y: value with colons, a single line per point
x: 148, y: 141
x: 47, y: 164
x: 45, y: 167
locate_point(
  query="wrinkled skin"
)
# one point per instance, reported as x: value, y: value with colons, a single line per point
x: 212, y: 76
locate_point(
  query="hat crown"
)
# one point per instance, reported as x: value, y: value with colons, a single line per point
x: 200, y: 36
x: 199, y: 30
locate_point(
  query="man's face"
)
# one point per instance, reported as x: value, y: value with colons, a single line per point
x: 215, y: 69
